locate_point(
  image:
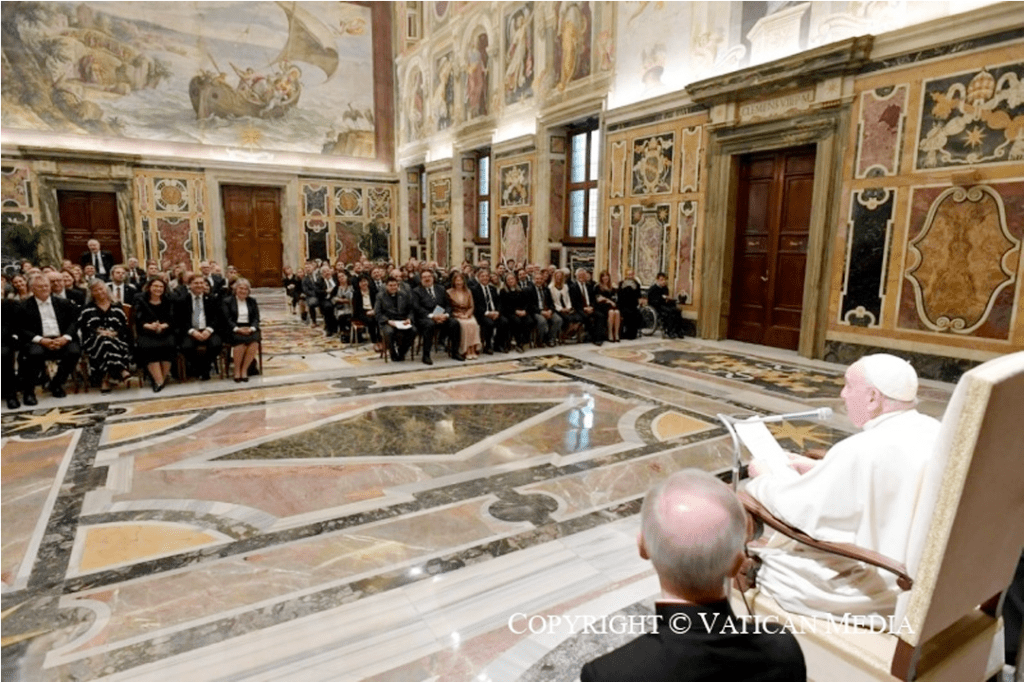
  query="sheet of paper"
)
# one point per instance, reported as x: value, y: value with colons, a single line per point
x: 763, y: 447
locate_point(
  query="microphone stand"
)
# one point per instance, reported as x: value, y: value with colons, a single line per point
x: 729, y: 420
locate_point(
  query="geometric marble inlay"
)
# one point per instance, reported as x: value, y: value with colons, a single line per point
x: 396, y: 430
x: 772, y: 376
x: 118, y: 544
x: 673, y: 424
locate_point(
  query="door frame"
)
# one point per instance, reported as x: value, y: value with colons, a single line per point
x: 826, y: 129
x: 292, y: 249
x: 48, y: 184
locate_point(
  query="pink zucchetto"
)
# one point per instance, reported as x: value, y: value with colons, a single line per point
x: 894, y: 377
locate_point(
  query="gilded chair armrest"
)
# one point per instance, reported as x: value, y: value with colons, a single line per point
x: 761, y: 513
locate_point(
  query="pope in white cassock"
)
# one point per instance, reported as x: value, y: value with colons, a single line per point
x: 864, y: 491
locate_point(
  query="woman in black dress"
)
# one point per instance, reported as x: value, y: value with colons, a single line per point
x: 607, y: 300
x: 292, y: 288
x: 155, y: 339
x: 106, y: 339
x: 630, y: 293
x: 242, y: 317
x: 363, y: 300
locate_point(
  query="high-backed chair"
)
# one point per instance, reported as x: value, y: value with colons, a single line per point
x: 966, y: 536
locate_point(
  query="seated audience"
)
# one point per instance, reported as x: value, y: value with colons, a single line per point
x: 546, y: 319
x: 862, y: 492
x: 242, y: 328
x: 75, y: 296
x: 197, y: 324
x: 584, y: 300
x: 48, y: 332
x: 106, y: 339
x: 394, y: 312
x: 461, y: 301
x: 155, y: 347
x: 561, y: 297
x: 493, y: 327
x: 693, y: 530
x: 20, y: 286
x: 341, y: 300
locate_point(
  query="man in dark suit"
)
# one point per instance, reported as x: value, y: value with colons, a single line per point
x: 218, y: 287
x: 47, y: 330
x: 11, y: 315
x: 434, y: 314
x: 517, y: 309
x: 197, y: 323
x: 487, y: 311
x: 135, y: 275
x: 394, y: 312
x: 102, y: 260
x: 693, y: 529
x: 121, y: 290
x: 549, y: 322
x: 57, y: 290
x: 583, y: 294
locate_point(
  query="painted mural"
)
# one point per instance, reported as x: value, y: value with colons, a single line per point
x: 519, y: 56
x: 962, y: 259
x: 477, y: 83
x: 294, y: 77
x: 515, y: 185
x: 515, y: 237
x: 415, y: 107
x: 443, y: 98
x: 973, y: 118
x: 572, y: 43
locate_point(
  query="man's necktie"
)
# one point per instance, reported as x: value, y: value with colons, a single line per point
x: 487, y: 294
x: 586, y: 296
x: 197, y: 311
x: 540, y: 299
x: 432, y: 296
x: 117, y: 293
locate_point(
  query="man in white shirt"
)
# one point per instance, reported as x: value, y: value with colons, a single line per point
x: 101, y: 261
x: 47, y: 328
x: 864, y: 491
x: 121, y: 291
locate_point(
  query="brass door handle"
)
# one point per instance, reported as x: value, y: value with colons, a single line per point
x: 764, y: 278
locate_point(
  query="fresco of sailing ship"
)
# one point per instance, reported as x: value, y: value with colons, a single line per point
x: 268, y: 95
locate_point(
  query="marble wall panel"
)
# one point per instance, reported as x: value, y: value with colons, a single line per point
x: 515, y: 183
x: 519, y: 58
x: 415, y: 209
x: 617, y: 169
x: 972, y: 118
x: 616, y: 225
x: 441, y: 197
x: 515, y: 237
x: 652, y: 164
x: 649, y: 228
x: 686, y: 254
x: 347, y: 236
x: 867, y: 255
x: 16, y: 187
x: 171, y: 195
x: 963, y: 252
x: 883, y: 114
x: 174, y: 239
x: 348, y: 201
x: 441, y: 243
x: 316, y: 233
x: 556, y: 201
x: 469, y: 198
x: 379, y: 202
x: 692, y: 158
x: 314, y: 199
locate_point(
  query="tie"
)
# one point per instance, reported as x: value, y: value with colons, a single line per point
x: 197, y: 311
x: 432, y: 296
x: 540, y: 299
x: 586, y: 296
x: 96, y: 261
x: 487, y: 294
x: 117, y: 293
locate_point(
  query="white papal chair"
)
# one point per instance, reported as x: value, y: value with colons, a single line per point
x: 967, y: 534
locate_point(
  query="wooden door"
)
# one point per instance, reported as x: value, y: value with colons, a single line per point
x: 772, y: 230
x: 252, y: 223
x: 89, y: 215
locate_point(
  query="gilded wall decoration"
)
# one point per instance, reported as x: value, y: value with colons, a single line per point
x: 379, y: 199
x: 477, y: 77
x: 649, y: 228
x: 616, y: 223
x: 574, y: 26
x: 880, y: 131
x: 443, y: 95
x: 692, y: 153
x: 867, y: 255
x: 515, y: 185
x: 316, y: 232
x: 515, y: 237
x: 617, y: 169
x: 17, y: 191
x: 171, y: 194
x: 294, y: 77
x: 348, y: 202
x: 686, y: 256
x: 652, y: 164
x: 175, y: 245
x: 972, y: 118
x: 519, y: 61
x: 441, y: 243
x: 962, y: 260
x: 441, y: 196
x: 314, y: 199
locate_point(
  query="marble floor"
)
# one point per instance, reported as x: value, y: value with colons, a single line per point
x: 339, y: 518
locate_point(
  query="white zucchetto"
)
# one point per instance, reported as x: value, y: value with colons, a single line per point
x: 894, y: 377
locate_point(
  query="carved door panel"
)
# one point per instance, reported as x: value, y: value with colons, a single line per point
x: 89, y: 215
x: 252, y: 225
x: 772, y: 230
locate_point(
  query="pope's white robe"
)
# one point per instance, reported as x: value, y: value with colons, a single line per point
x: 864, y: 492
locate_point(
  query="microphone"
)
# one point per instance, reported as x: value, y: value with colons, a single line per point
x: 821, y: 413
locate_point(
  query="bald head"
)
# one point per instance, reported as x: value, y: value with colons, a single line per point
x: 693, y: 529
